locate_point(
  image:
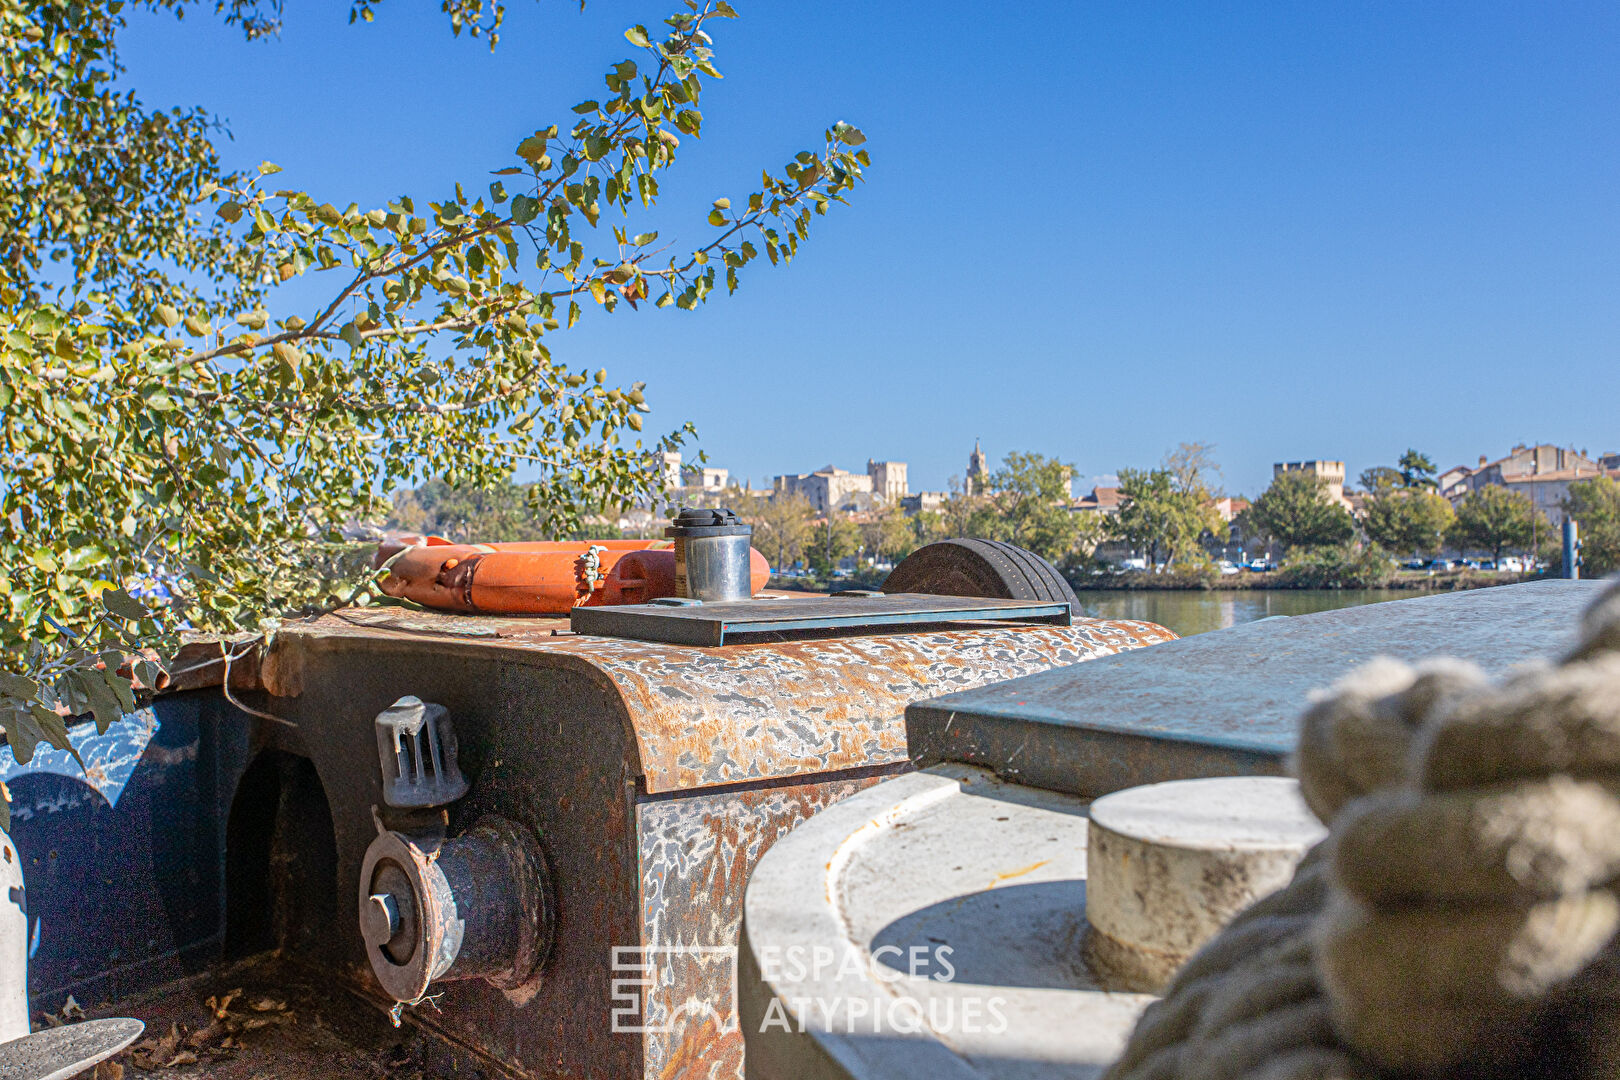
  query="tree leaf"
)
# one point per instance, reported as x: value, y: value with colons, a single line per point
x: 123, y: 605
x: 22, y: 733
x: 18, y: 687
x: 532, y: 149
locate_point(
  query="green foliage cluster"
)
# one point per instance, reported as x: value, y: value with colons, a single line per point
x: 1165, y: 516
x: 1026, y: 502
x: 782, y: 524
x: 1595, y: 506
x: 1297, y: 512
x: 164, y: 416
x: 1415, y: 470
x: 497, y: 513
x: 1337, y: 566
x: 1497, y: 520
x: 1410, y: 520
x: 788, y: 530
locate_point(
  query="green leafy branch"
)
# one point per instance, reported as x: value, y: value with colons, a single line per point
x: 157, y: 422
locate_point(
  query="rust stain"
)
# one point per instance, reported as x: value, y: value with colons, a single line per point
x: 1009, y: 875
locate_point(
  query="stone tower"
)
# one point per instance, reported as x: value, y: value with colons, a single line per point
x: 978, y: 470
x: 888, y: 480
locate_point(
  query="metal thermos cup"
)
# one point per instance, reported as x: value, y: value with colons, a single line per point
x: 711, y: 555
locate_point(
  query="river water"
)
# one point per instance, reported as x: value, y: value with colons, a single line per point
x: 1198, y: 612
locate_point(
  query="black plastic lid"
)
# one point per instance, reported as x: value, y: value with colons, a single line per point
x: 696, y: 521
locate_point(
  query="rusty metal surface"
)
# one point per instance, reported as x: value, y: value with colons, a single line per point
x: 655, y: 775
x: 544, y: 747
x: 695, y: 853
x: 1224, y: 703
x: 707, y: 716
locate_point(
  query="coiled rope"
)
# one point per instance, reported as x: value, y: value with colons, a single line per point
x: 1460, y: 920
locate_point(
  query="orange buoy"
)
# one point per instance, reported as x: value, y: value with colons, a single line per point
x: 536, y: 578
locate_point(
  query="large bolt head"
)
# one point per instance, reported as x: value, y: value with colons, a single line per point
x: 379, y: 920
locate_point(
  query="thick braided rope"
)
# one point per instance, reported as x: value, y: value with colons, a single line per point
x: 1461, y: 918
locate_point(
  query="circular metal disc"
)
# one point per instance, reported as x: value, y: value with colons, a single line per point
x: 394, y: 864
x: 58, y: 1053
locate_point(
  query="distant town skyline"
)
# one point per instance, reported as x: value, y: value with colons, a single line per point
x: 745, y: 473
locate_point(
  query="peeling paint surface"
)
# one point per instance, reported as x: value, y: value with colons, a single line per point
x: 695, y: 854
x: 109, y: 761
x: 770, y: 710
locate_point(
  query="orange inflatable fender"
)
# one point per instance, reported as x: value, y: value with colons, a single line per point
x: 537, y: 578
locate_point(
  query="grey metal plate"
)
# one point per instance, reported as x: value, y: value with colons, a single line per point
x: 710, y: 624
x: 58, y: 1053
x: 1227, y: 702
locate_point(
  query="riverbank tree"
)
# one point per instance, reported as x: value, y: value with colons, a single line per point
x: 1411, y: 521
x: 1297, y: 511
x: 1166, y: 513
x: 1413, y: 471
x: 1595, y: 506
x: 1026, y: 502
x: 782, y: 524
x: 888, y: 534
x: 170, y: 415
x: 1496, y: 520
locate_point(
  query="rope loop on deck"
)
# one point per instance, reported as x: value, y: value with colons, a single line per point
x: 1462, y: 919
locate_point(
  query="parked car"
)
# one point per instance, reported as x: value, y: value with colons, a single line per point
x: 1227, y: 566
x: 1415, y: 564
x: 1440, y: 566
x: 1261, y: 565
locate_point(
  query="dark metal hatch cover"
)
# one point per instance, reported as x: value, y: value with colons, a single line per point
x: 709, y: 624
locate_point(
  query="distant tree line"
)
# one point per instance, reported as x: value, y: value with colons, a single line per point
x: 1168, y: 513
x: 1403, y: 514
x: 1024, y: 502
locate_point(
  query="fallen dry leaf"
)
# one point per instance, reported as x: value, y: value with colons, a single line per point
x: 205, y: 1035
x: 219, y: 1006
x: 156, y: 1053
x: 109, y: 1070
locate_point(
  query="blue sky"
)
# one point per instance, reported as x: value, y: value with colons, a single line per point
x: 1090, y: 230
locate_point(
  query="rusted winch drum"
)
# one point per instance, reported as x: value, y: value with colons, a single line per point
x: 475, y: 906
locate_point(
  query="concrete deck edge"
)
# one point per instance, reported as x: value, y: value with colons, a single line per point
x: 807, y: 862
